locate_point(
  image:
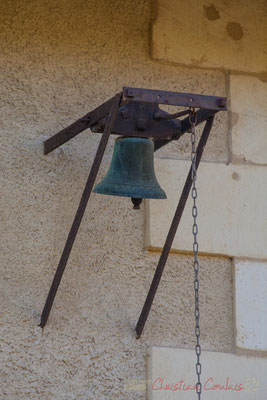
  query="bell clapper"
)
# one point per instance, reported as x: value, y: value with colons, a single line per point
x: 136, y: 203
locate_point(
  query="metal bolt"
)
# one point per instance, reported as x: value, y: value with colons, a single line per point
x: 221, y: 102
x: 157, y: 115
x: 141, y: 124
x: 125, y: 113
x: 130, y: 93
x: 85, y: 119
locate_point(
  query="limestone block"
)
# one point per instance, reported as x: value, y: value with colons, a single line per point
x: 231, y: 202
x: 217, y: 35
x: 171, y: 375
x: 251, y: 304
x: 249, y: 118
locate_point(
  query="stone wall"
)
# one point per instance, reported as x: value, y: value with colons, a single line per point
x: 230, y: 37
x: 58, y: 61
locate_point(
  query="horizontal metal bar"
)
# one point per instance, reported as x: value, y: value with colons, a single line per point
x: 78, y: 126
x: 202, y: 115
x: 175, y: 98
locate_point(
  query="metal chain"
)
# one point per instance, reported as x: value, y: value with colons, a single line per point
x: 192, y: 120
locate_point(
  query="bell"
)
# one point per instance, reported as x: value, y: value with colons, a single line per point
x: 131, y: 172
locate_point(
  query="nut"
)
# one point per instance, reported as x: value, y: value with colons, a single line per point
x: 125, y: 113
x: 141, y: 124
x: 130, y: 93
x: 221, y: 102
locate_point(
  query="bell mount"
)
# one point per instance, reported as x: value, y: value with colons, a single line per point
x: 135, y: 112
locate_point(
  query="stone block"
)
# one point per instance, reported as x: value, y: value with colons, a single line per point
x: 251, y: 304
x: 215, y: 35
x: 231, y: 209
x: 172, y: 375
x: 249, y: 121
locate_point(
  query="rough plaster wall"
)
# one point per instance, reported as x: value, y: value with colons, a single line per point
x: 58, y: 61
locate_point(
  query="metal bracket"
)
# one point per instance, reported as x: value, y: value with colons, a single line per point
x: 134, y: 112
x: 137, y: 119
x: 174, y: 98
x: 157, y: 129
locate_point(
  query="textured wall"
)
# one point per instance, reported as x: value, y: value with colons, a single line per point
x: 59, y: 60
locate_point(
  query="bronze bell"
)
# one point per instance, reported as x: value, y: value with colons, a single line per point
x: 131, y: 172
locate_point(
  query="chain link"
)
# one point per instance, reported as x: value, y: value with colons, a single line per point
x: 192, y: 120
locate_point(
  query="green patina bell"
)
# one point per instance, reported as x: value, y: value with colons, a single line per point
x: 131, y: 172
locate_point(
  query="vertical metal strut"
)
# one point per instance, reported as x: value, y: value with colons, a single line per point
x: 81, y: 209
x: 172, y: 231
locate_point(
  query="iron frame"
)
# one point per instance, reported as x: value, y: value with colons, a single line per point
x: 134, y: 112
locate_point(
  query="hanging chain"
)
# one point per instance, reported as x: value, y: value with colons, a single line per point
x: 192, y: 120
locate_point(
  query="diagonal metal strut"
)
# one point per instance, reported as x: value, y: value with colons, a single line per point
x: 114, y: 105
x: 78, y: 126
x: 172, y: 231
